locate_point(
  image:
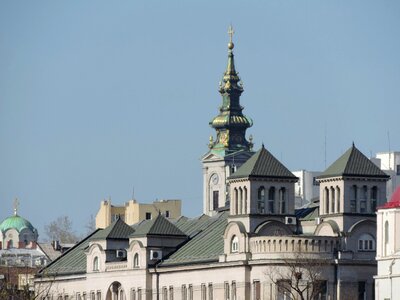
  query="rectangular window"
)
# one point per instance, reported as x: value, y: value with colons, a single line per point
x: 190, y: 296
x: 320, y: 289
x: 363, y: 206
x: 398, y: 170
x: 148, y: 216
x: 226, y: 291
x: 283, y: 290
x: 361, y: 290
x: 256, y: 290
x: 203, y: 292
x: 215, y: 199
x: 167, y: 213
x: 353, y: 206
x: 360, y: 245
x: 210, y: 291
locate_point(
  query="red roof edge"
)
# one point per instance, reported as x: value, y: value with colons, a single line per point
x: 394, y: 201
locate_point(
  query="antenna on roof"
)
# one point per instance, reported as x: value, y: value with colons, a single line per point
x: 133, y: 193
x: 16, y: 205
x: 325, y: 145
x: 388, y: 134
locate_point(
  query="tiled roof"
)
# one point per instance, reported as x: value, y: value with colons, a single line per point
x: 263, y: 164
x: 117, y: 230
x: 206, y: 243
x: 353, y: 163
x: 48, y: 249
x: 157, y: 226
x: 394, y: 200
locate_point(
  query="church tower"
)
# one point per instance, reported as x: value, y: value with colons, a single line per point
x: 230, y: 149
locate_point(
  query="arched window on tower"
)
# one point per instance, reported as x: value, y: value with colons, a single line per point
x: 261, y: 200
x: 333, y: 201
x: 136, y: 263
x: 234, y: 244
x: 363, y: 200
x: 326, y: 200
x: 282, y: 200
x: 240, y: 201
x: 245, y: 200
x: 96, y: 263
x: 271, y: 200
x: 338, y: 199
x: 374, y: 198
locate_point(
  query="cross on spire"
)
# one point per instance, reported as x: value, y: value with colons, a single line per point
x: 16, y: 205
x: 231, y: 32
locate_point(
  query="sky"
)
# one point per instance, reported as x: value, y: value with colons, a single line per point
x: 100, y: 98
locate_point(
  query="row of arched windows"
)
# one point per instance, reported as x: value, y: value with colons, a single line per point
x: 363, y: 199
x: 239, y: 201
x: 332, y: 200
x: 269, y: 205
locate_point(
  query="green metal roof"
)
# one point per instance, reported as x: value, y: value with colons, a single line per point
x: 117, y: 230
x: 16, y: 222
x: 157, y: 226
x: 206, y: 243
x: 353, y: 163
x: 263, y: 164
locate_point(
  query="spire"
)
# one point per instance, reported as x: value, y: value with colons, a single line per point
x: 16, y: 205
x: 230, y: 124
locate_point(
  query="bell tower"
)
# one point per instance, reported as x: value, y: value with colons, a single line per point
x: 230, y: 148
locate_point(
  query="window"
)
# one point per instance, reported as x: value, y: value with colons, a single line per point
x: 235, y: 244
x: 171, y: 293
x: 210, y: 291
x: 164, y: 293
x: 271, y: 200
x: 338, y: 199
x: 139, y: 294
x: 256, y: 290
x: 361, y: 290
x: 83, y: 296
x: 148, y: 215
x: 184, y: 292
x: 353, y: 199
x: 398, y: 170
x: 167, y: 213
x: 333, y: 201
x: 261, y: 200
x: 386, y: 237
x: 136, y: 260
x: 78, y: 296
x: 96, y: 263
x: 283, y: 290
x: 133, y: 294
x: 203, y: 292
x: 215, y: 199
x: 244, y: 208
x: 92, y: 296
x: 226, y: 291
x: 233, y: 290
x: 320, y: 289
x: 326, y: 201
x: 282, y: 200
x: 374, y: 198
x: 366, y: 243
x: 363, y: 200
x: 99, y: 295
x: 190, y: 290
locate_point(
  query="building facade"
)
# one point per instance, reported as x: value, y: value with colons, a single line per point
x: 250, y: 242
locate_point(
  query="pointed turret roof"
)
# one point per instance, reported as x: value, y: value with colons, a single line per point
x: 263, y: 164
x: 117, y: 230
x: 157, y: 226
x: 353, y: 163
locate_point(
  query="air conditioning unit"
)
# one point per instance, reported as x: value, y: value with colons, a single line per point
x: 318, y: 221
x: 155, y: 254
x: 290, y: 220
x: 121, y: 253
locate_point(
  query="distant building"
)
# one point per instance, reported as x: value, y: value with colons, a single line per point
x: 389, y: 162
x: 132, y: 212
x: 306, y: 190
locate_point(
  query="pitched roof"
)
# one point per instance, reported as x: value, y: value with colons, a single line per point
x: 116, y: 230
x: 157, y: 226
x: 263, y: 164
x: 206, y: 243
x: 394, y: 200
x: 353, y: 163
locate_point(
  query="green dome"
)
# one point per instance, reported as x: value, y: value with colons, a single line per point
x: 17, y: 223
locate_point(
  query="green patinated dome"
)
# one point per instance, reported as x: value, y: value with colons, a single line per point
x: 16, y: 222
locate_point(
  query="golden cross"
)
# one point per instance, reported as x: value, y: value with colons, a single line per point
x: 16, y: 204
x: 230, y: 32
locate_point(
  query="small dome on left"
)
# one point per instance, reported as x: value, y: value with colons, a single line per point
x: 16, y: 222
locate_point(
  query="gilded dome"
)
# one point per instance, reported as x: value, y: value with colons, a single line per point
x: 16, y: 222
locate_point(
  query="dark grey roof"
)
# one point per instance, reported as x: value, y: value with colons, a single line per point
x: 117, y: 230
x: 353, y: 163
x: 263, y: 164
x: 157, y: 226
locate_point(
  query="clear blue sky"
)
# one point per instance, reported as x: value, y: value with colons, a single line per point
x: 99, y: 96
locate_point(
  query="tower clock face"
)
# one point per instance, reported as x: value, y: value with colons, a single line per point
x: 214, y: 179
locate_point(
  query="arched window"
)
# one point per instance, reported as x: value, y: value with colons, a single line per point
x: 10, y: 244
x: 261, y: 200
x: 96, y: 263
x: 245, y: 200
x: 282, y: 200
x: 235, y: 244
x: 136, y: 260
x: 240, y: 201
x: 326, y: 200
x: 337, y: 199
x: 271, y: 200
x: 235, y: 201
x: 374, y: 198
x: 366, y: 243
x: 363, y: 200
x: 333, y: 201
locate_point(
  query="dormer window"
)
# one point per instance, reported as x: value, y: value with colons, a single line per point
x: 96, y: 263
x: 136, y: 260
x: 234, y: 244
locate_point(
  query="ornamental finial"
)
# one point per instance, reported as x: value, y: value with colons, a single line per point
x: 16, y: 205
x: 230, y: 32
